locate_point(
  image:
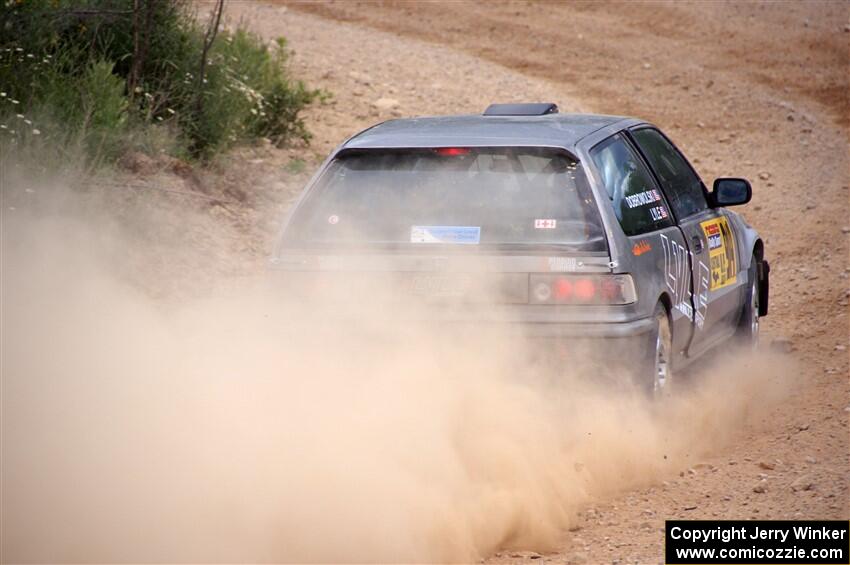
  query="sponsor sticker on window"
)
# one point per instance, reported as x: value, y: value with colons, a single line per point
x: 545, y: 224
x: 458, y: 235
x: 642, y: 198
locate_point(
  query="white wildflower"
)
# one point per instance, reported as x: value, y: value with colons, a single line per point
x: 13, y: 101
x: 170, y: 111
x: 28, y: 122
x: 36, y: 131
x: 20, y: 116
x: 2, y: 95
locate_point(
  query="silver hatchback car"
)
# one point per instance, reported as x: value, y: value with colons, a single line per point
x: 590, y: 227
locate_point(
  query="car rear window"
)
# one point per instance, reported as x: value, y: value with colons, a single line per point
x: 450, y: 198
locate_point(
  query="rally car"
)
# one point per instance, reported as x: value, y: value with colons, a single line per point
x: 590, y: 227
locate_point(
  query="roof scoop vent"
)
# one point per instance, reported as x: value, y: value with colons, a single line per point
x: 536, y: 109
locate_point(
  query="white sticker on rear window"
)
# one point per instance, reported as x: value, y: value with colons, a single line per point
x: 462, y: 235
x: 545, y: 224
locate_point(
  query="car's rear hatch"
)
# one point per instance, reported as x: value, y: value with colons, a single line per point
x: 446, y: 226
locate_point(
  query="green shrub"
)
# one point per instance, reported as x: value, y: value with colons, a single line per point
x: 103, y: 106
x: 247, y: 95
x: 71, y: 62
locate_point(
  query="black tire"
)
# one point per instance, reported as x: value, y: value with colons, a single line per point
x: 747, y: 334
x: 656, y: 376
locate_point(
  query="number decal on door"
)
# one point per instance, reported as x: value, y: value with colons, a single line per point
x: 677, y: 274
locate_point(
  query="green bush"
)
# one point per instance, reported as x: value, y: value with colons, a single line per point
x: 70, y: 63
x: 247, y: 95
x: 103, y: 107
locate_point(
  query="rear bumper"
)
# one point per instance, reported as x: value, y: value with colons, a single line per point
x: 610, y: 343
x: 607, y: 330
x: 616, y: 347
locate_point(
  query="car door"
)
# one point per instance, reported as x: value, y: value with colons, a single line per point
x: 658, y: 246
x: 709, y: 237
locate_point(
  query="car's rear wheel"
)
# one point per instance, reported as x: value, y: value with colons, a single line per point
x: 747, y: 333
x: 657, y: 376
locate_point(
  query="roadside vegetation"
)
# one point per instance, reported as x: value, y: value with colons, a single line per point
x: 105, y: 77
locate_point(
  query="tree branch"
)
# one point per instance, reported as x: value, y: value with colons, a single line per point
x: 209, y: 37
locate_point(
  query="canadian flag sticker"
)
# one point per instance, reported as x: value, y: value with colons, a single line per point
x: 545, y: 224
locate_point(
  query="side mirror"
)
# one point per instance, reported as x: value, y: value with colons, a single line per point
x: 731, y: 192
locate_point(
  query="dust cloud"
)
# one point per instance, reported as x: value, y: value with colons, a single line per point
x: 242, y: 425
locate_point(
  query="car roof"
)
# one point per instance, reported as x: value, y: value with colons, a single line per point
x: 550, y: 130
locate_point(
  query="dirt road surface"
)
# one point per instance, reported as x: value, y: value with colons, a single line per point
x: 757, y: 90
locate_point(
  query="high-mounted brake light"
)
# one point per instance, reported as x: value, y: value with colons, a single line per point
x: 452, y: 151
x: 579, y: 289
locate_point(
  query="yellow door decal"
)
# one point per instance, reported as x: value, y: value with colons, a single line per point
x: 721, y: 252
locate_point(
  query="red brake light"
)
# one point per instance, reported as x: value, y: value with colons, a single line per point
x: 609, y: 289
x: 563, y: 289
x: 452, y: 151
x: 585, y: 289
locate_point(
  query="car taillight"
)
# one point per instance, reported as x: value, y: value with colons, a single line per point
x: 452, y: 151
x: 578, y: 289
x: 563, y: 289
